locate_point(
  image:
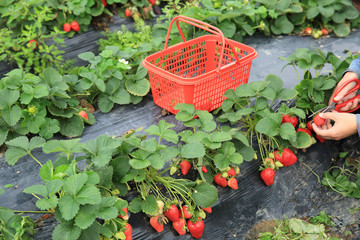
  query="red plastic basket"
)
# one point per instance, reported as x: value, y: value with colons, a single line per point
x: 198, y: 71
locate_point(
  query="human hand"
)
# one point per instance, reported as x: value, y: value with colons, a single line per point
x: 344, y: 126
x: 340, y: 97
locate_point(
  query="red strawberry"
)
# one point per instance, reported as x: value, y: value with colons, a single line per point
x: 172, y: 213
x: 185, y: 167
x: 204, y: 169
x: 196, y: 229
x: 157, y: 224
x: 127, y: 12
x: 128, y: 232
x: 324, y: 31
x: 126, y: 217
x: 268, y: 176
x: 289, y: 119
x: 179, y: 226
x: 83, y: 114
x: 308, y: 31
x: 218, y: 179
x: 320, y: 138
x: 207, y: 209
x: 318, y: 120
x: 304, y: 130
x: 152, y: 2
x: 287, y: 157
x: 187, y: 213
x: 231, y: 172
x: 233, y: 183
x: 67, y: 27
x: 104, y: 3
x: 309, y: 126
x: 75, y: 26
x: 33, y: 41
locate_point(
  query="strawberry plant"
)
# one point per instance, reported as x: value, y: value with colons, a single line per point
x: 316, y: 85
x: 14, y: 226
x: 295, y: 228
x: 38, y: 105
x: 135, y: 46
x: 108, y: 80
x: 251, y: 107
x: 336, y: 15
x: 219, y: 150
x: 345, y: 179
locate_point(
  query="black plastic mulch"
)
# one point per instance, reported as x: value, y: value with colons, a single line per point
x: 295, y: 193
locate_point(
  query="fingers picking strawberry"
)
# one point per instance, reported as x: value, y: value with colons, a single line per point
x: 319, y: 120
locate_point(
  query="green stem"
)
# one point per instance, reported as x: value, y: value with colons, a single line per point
x: 313, y: 172
x: 35, y: 159
x: 18, y: 211
x: 297, y: 73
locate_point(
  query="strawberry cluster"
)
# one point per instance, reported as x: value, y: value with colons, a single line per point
x: 277, y: 159
x: 286, y: 157
x: 227, y: 178
x: 127, y: 229
x: 182, y: 220
x: 74, y: 25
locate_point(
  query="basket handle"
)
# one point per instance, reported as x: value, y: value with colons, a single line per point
x: 204, y: 26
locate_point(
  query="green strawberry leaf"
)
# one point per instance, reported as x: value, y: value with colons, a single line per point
x: 205, y: 195
x: 267, y: 126
x: 149, y: 206
x: 287, y: 131
x: 303, y: 140
x: 72, y: 127
x: 89, y: 194
x: 138, y: 87
x: 20, y: 147
x: 135, y: 205
x: 66, y: 146
x: 85, y: 217
x: 68, y: 207
x: 120, y: 96
x: 11, y: 115
x: 50, y: 127
x: 104, y: 103
x: 192, y: 150
x: 66, y: 232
